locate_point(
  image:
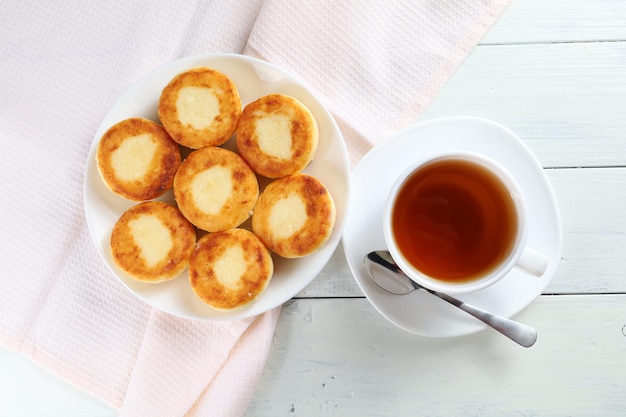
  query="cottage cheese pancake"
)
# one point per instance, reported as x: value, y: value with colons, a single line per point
x: 229, y: 269
x: 215, y: 189
x: 200, y: 107
x: 137, y: 159
x: 295, y: 216
x: 277, y: 135
x: 152, y: 242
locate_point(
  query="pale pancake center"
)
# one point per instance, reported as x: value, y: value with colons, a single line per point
x: 152, y: 237
x: 133, y: 158
x: 211, y: 189
x: 287, y: 216
x: 197, y: 106
x: 274, y: 135
x: 230, y: 267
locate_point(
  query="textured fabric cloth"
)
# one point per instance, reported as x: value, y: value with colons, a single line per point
x: 376, y: 65
x: 62, y: 66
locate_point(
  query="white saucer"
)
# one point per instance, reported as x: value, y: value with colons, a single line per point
x: 419, y: 312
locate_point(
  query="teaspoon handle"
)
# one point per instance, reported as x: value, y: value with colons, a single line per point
x: 520, y: 333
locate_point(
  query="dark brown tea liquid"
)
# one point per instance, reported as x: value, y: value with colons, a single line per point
x: 454, y: 220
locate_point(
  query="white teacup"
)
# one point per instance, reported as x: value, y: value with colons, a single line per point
x: 457, y: 222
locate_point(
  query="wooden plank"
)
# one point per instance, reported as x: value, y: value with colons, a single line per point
x: 534, y: 21
x: 592, y: 203
x: 333, y: 358
x: 566, y: 101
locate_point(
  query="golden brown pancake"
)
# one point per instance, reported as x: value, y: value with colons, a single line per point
x: 294, y: 216
x: 277, y: 135
x: 200, y: 107
x: 228, y: 269
x: 137, y: 159
x: 215, y: 189
x: 152, y: 242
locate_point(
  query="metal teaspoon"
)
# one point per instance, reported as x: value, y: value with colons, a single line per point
x: 387, y: 275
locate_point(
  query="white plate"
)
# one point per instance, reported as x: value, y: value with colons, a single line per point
x: 254, y: 78
x: 419, y: 312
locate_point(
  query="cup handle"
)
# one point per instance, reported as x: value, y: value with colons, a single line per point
x: 532, y: 262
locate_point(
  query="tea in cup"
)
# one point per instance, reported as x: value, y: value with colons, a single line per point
x: 457, y: 222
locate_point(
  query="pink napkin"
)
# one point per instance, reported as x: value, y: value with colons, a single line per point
x: 63, y: 65
x: 376, y: 65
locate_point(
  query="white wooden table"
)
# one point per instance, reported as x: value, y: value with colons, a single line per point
x: 555, y: 73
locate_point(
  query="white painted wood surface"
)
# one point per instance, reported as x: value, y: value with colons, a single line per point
x: 554, y: 71
x: 340, y: 358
